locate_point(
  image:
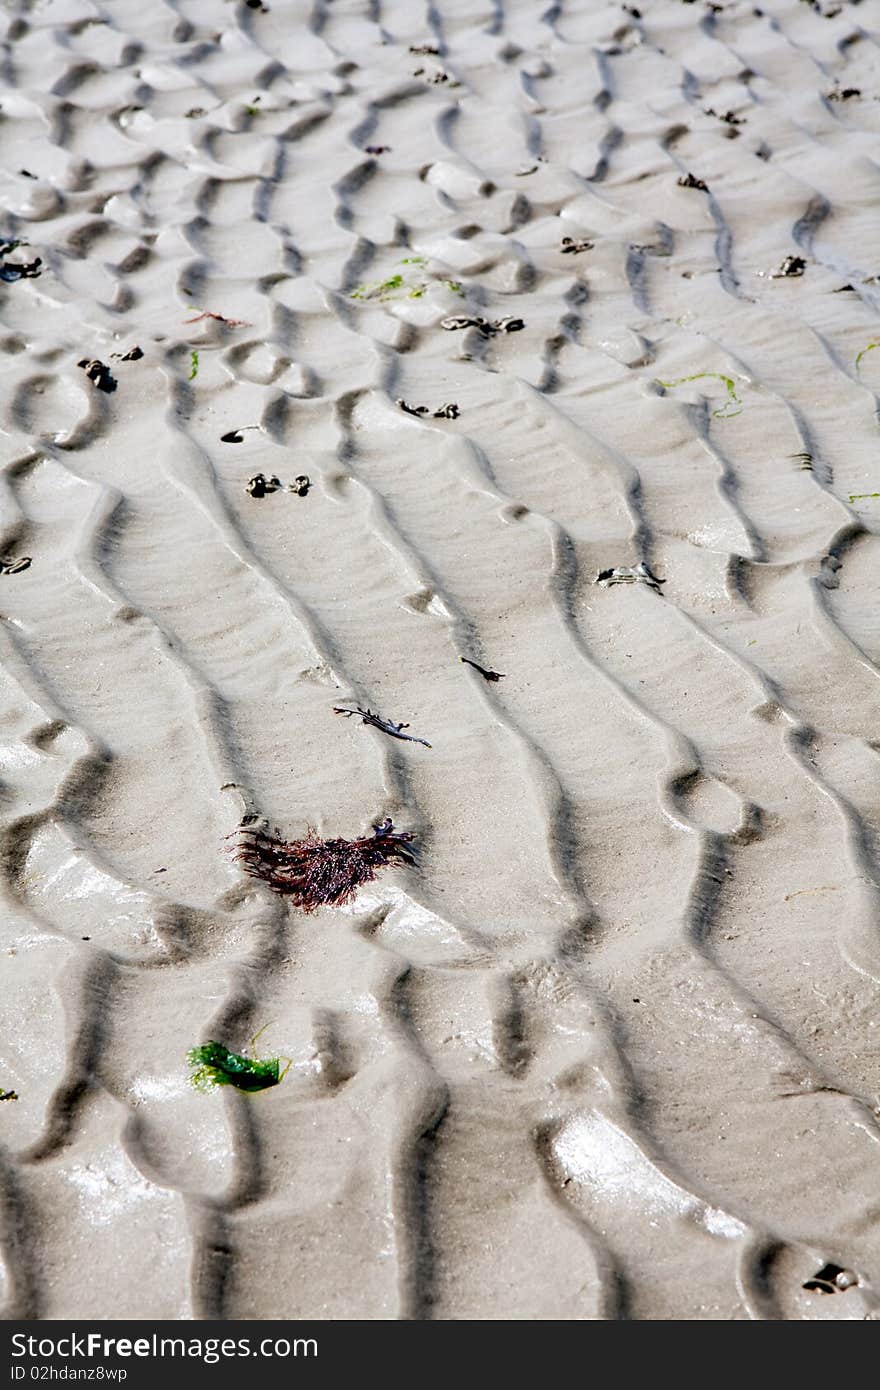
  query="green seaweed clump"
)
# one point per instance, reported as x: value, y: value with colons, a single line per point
x: 725, y: 412
x: 194, y: 361
x: 214, y: 1065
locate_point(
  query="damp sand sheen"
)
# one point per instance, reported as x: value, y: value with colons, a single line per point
x: 502, y: 378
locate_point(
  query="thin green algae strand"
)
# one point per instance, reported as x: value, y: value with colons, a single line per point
x: 214, y: 1065
x: 864, y: 352
x: 725, y: 412
x: 194, y: 361
x: 860, y: 496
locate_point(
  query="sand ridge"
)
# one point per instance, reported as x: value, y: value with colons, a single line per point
x: 528, y: 296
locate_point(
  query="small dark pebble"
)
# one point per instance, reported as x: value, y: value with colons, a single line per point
x: 233, y: 437
x: 26, y: 173
x: 377, y: 149
x: 261, y: 486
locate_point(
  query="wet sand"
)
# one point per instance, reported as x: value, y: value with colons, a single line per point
x: 610, y: 1048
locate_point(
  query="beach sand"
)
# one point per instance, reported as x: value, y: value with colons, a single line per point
x: 610, y: 1048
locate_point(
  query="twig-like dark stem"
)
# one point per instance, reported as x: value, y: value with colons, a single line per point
x: 386, y: 725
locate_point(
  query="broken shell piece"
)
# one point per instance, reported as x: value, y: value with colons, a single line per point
x: 510, y: 324
x: 412, y: 409
x: 133, y: 355
x: 449, y: 411
x: 300, y: 486
x: 629, y: 574
x: 8, y: 566
x: 99, y: 373
x: 261, y: 486
x: 791, y: 266
x: 570, y: 247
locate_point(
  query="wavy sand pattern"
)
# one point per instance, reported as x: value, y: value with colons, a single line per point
x: 611, y: 1051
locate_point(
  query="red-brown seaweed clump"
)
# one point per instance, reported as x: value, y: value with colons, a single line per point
x: 317, y: 873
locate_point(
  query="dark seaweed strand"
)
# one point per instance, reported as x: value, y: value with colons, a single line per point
x: 315, y: 872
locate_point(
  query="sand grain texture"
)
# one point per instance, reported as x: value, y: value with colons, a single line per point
x: 611, y: 1049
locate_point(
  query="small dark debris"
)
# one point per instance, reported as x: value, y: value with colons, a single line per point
x: 570, y: 247
x: 300, y: 486
x: 195, y: 111
x: 257, y: 5
x: 487, y: 675
x: 487, y: 328
x: 631, y: 9
x: 26, y: 173
x: 386, y: 725
x: 728, y: 117
x: 261, y: 486
x: 449, y: 411
x: 8, y: 1095
x: 844, y: 289
x: 844, y: 94
x: 8, y: 566
x: 99, y: 373
x: 233, y: 437
x: 85, y: 938
x: 629, y: 574
x: 377, y: 149
x: 791, y: 267
x: 425, y: 50
x: 831, y: 1278
x: 691, y: 181
x: 10, y: 271
x: 133, y: 355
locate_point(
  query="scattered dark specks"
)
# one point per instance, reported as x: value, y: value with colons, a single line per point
x: 98, y: 373
x: 570, y: 247
x: 728, y: 117
x: 791, y: 267
x: 9, y: 566
x: 691, y: 181
x: 487, y: 675
x: 831, y: 1278
x: 424, y: 50
x: 629, y: 574
x: 377, y: 149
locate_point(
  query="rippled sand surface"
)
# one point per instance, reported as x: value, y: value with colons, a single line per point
x: 610, y: 1050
